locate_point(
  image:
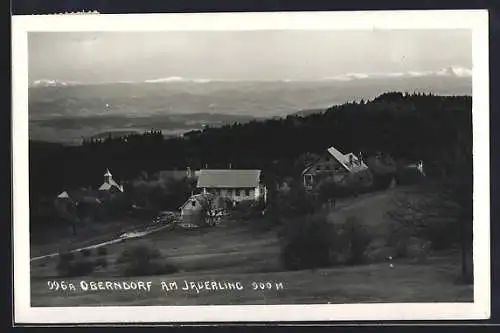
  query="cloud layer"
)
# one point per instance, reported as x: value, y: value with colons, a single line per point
x: 451, y: 71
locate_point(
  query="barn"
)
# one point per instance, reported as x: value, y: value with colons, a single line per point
x: 199, y: 209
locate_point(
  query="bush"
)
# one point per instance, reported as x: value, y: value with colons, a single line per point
x: 359, y: 239
x: 409, y: 176
x: 69, y: 268
x: 405, y: 244
x: 144, y: 260
x: 102, y: 251
x: 293, y: 204
x: 352, y: 184
x: 249, y: 206
x: 65, y: 257
x: 382, y: 181
x: 102, y: 262
x: 247, y: 209
x: 161, y: 194
x: 328, y: 188
x: 314, y: 242
x: 349, y: 241
x: 378, y: 251
x: 424, y: 226
x: 441, y: 233
x: 306, y: 243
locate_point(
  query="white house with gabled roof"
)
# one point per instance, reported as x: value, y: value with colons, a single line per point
x: 235, y: 184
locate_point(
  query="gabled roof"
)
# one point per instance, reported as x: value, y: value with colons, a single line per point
x: 228, y: 178
x: 207, y: 199
x: 344, y: 161
x: 110, y: 185
x: 341, y: 158
x: 360, y: 165
x: 202, y: 199
x: 63, y: 195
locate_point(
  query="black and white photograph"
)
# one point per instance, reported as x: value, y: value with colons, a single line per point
x: 314, y: 166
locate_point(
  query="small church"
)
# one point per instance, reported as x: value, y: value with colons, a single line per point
x: 110, y: 185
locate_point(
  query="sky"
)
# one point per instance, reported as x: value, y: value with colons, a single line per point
x: 94, y: 57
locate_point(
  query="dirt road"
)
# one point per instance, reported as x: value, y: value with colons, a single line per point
x: 125, y: 236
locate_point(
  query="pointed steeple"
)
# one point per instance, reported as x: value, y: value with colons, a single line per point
x: 108, y: 177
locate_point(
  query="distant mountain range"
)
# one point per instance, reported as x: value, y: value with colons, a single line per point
x: 451, y: 71
x: 67, y: 111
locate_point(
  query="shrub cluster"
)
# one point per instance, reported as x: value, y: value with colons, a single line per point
x: 142, y: 260
x: 313, y: 241
x: 417, y: 227
x: 102, y: 251
x: 70, y: 266
x: 80, y: 264
x: 248, y: 209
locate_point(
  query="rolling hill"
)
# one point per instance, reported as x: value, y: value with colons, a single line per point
x: 67, y: 111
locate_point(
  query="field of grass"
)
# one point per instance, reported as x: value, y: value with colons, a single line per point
x: 244, y: 251
x: 54, y: 240
x: 432, y: 281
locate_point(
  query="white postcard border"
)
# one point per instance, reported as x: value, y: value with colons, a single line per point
x: 476, y: 20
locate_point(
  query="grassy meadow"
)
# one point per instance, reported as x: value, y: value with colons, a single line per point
x: 248, y: 251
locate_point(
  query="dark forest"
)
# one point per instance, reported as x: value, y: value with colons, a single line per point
x: 435, y: 129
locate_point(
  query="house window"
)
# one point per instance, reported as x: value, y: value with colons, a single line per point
x: 193, y: 203
x: 238, y: 193
x: 247, y: 192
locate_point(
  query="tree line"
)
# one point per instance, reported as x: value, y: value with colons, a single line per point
x: 436, y: 129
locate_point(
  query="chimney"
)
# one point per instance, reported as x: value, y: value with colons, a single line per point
x: 188, y: 172
x: 206, y: 165
x: 230, y: 165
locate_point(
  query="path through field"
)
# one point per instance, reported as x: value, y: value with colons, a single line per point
x: 128, y: 235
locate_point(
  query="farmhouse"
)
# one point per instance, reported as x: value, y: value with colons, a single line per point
x: 332, y: 164
x: 236, y: 185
